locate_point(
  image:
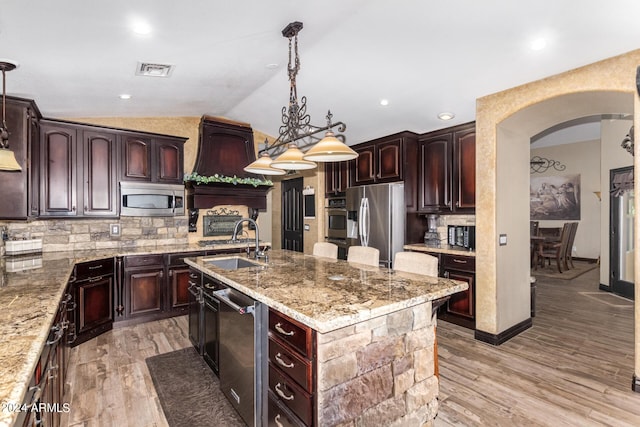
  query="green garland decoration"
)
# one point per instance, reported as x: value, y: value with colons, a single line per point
x: 217, y: 178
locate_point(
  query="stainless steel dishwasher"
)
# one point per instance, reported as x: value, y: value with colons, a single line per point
x: 243, y: 342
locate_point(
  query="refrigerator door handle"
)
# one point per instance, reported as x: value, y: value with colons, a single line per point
x: 364, y: 232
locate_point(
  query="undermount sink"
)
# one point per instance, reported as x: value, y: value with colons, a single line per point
x: 232, y: 262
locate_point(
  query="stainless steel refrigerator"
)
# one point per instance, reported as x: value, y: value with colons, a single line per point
x: 376, y: 218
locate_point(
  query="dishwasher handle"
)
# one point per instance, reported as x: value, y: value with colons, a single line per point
x: 222, y: 296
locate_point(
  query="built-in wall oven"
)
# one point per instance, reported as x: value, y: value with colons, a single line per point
x: 336, y: 224
x: 336, y: 218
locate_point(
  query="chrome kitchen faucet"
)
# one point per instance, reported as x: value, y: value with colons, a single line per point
x: 258, y: 253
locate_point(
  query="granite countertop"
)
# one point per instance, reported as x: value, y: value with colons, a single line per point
x: 421, y: 247
x: 29, y: 301
x: 327, y: 294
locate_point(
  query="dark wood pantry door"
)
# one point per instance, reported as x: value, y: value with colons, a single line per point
x: 292, y: 214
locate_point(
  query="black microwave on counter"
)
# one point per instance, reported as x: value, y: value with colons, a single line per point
x: 462, y: 236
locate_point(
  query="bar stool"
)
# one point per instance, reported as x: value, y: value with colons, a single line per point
x: 364, y: 255
x: 416, y: 262
x: 325, y: 249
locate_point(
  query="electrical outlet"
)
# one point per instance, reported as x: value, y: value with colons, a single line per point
x: 114, y: 230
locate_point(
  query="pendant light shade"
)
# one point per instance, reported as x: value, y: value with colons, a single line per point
x: 292, y: 159
x: 8, y: 160
x: 330, y: 149
x: 262, y: 166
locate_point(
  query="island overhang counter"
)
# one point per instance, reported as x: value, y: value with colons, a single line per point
x: 374, y: 332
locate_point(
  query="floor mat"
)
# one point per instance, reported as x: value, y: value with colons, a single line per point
x: 189, y: 391
x: 552, y: 271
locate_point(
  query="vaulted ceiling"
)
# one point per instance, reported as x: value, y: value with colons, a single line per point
x: 230, y: 59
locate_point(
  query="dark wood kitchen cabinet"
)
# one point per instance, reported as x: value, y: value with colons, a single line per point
x: 383, y: 159
x: 460, y: 308
x: 336, y: 178
x: 152, y: 158
x: 178, y: 281
x: 19, y: 190
x: 292, y: 373
x: 446, y: 175
x: 58, y: 166
x: 78, y: 171
x: 100, y: 181
x: 93, y: 286
x: 143, y: 286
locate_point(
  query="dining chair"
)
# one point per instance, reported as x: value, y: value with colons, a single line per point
x: 558, y: 250
x: 416, y: 262
x: 325, y: 249
x: 569, y: 253
x: 364, y: 255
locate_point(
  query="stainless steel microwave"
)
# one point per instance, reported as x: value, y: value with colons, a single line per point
x: 147, y: 199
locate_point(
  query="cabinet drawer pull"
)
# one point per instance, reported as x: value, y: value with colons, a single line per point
x: 193, y: 276
x: 276, y: 419
x: 460, y: 261
x: 282, y: 331
x: 282, y: 395
x: 282, y: 362
x: 95, y: 279
x: 95, y: 267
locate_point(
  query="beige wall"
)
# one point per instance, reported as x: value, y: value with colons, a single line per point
x: 505, y: 122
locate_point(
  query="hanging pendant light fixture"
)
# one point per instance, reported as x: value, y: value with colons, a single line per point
x: 262, y: 165
x: 296, y: 131
x: 330, y: 148
x: 8, y: 160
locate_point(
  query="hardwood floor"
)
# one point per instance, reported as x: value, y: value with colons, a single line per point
x: 572, y: 368
x: 110, y: 382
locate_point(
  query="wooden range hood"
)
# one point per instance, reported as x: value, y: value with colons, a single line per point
x: 225, y: 147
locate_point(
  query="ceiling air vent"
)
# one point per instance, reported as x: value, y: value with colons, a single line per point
x: 153, y: 70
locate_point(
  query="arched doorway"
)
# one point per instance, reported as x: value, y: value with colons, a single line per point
x: 505, y: 122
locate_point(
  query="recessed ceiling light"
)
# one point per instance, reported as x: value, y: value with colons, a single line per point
x: 446, y: 115
x: 539, y: 43
x: 141, y: 27
x: 271, y: 66
x: 384, y: 102
x: 124, y: 96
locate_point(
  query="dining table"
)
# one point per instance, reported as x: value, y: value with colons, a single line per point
x: 537, y: 247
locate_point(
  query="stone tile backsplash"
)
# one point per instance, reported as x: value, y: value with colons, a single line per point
x: 90, y: 234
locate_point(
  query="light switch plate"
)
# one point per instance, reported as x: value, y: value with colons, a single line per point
x: 114, y: 230
x: 502, y: 240
x: 307, y: 227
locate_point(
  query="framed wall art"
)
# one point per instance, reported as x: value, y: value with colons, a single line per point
x: 555, y: 197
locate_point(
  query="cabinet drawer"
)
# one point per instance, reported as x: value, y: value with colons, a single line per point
x: 103, y: 267
x: 291, y: 332
x: 458, y: 262
x: 142, y: 260
x: 279, y: 416
x: 292, y: 364
x: 291, y: 395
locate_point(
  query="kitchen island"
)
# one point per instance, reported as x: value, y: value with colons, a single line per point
x: 373, y: 333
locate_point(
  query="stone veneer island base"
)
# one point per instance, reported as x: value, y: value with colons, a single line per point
x: 372, y: 332
x: 379, y: 372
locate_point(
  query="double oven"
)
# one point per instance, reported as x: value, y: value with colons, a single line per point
x: 336, y: 224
